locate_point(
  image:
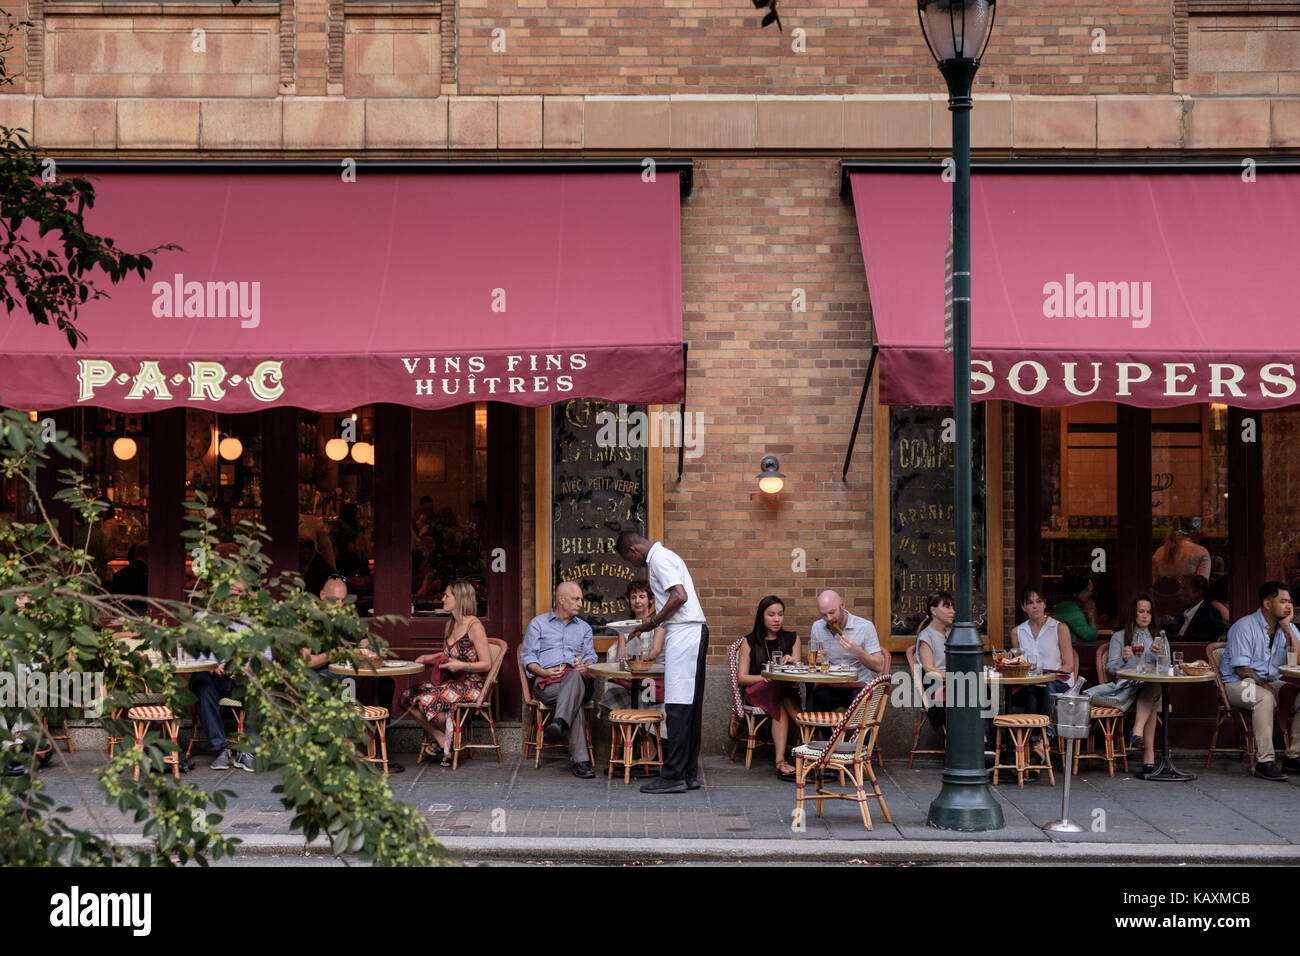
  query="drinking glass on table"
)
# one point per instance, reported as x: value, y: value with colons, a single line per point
x: 1178, y: 660
x: 823, y: 660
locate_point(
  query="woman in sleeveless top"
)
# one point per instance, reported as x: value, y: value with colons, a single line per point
x: 1046, y: 642
x: 460, y: 670
x: 780, y: 700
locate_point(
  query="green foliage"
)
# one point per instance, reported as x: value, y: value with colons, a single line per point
x: 55, y: 616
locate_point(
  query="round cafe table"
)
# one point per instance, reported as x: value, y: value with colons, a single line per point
x: 613, y: 671
x: 1293, y: 673
x: 193, y: 667
x: 812, y: 676
x: 390, y: 668
x: 1165, y: 770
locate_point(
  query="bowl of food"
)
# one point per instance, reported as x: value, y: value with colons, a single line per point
x: 1196, y: 668
x: 637, y: 666
x: 1011, y: 665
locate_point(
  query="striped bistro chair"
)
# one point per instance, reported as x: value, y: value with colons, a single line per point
x: 144, y: 715
x: 810, y: 720
x: 539, y: 714
x: 137, y: 700
x: 1214, y: 654
x: 861, y: 721
x: 464, y: 711
x: 625, y: 727
x: 918, y: 687
x: 744, y: 715
x: 1106, y: 721
x: 197, y: 732
x: 376, y: 721
x: 1019, y: 727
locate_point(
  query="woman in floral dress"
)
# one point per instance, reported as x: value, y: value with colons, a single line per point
x: 459, y: 672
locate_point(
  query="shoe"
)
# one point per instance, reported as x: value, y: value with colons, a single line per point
x: 693, y: 783
x: 664, y: 785
x: 15, y: 770
x: 1031, y: 775
x: 583, y: 770
x: 244, y: 762
x: 223, y: 760
x: 556, y: 732
x: 1147, y: 768
x: 1269, y: 771
x: 786, y: 775
x: 1135, y: 742
x: 1291, y: 763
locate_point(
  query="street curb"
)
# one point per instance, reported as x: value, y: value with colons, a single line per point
x: 928, y: 852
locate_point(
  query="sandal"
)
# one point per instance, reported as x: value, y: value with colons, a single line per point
x: 446, y: 759
x: 785, y: 774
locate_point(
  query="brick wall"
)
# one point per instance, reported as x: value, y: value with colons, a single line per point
x: 769, y: 380
x: 716, y: 46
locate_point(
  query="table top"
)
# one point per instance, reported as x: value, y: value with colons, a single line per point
x: 1292, y: 672
x: 1153, y: 678
x: 392, y: 668
x: 610, y: 670
x: 193, y: 667
x: 1022, y: 679
x: 813, y: 677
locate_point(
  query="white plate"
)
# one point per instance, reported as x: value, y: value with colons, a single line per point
x: 623, y: 627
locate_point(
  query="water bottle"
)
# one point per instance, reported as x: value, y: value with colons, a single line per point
x: 1162, y: 662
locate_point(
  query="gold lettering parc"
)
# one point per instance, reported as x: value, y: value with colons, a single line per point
x: 198, y: 381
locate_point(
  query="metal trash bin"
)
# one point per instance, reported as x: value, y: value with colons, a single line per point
x: 1073, y: 711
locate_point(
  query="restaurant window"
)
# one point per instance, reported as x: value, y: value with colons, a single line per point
x: 1280, y: 437
x: 116, y: 445
x: 922, y: 543
x: 1079, y: 501
x: 336, y: 498
x: 1189, y: 501
x: 223, y: 460
x: 449, y: 504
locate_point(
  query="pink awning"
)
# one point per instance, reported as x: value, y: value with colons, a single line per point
x: 426, y: 290
x: 1145, y: 289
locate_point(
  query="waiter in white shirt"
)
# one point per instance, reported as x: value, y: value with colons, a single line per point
x: 685, y: 645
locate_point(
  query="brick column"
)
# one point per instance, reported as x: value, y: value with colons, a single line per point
x: 311, y: 25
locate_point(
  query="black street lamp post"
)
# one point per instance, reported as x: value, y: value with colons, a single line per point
x: 957, y: 31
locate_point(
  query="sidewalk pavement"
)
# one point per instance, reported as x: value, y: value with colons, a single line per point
x: 517, y: 812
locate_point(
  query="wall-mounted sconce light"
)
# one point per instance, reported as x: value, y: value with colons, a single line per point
x: 770, y: 480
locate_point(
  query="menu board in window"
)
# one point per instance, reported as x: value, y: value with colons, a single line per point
x: 922, y: 536
x: 598, y: 488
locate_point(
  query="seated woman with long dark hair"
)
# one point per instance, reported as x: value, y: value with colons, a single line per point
x: 768, y: 641
x: 1128, y: 648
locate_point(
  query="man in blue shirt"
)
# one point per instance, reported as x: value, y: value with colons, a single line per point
x: 1257, y: 645
x: 557, y: 648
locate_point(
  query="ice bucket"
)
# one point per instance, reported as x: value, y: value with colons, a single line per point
x: 1072, y: 713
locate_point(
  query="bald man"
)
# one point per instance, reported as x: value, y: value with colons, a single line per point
x: 557, y: 648
x: 850, y: 640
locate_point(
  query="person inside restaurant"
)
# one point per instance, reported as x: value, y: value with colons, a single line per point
x: 847, y: 639
x: 457, y: 674
x: 618, y: 692
x: 1200, y: 620
x: 1046, y: 643
x: 1257, y: 645
x: 1180, y: 556
x: 929, y: 651
x: 557, y: 648
x: 1077, y: 610
x: 1130, y: 647
x: 314, y: 569
x: 769, y: 641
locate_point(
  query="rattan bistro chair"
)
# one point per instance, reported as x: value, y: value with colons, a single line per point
x: 918, y: 686
x: 744, y: 715
x: 1108, y: 722
x: 1214, y: 654
x: 199, y: 732
x: 464, y: 711
x: 144, y: 715
x: 375, y: 720
x: 538, y: 714
x: 862, y: 721
x: 810, y: 720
